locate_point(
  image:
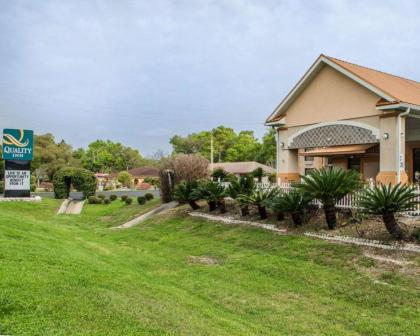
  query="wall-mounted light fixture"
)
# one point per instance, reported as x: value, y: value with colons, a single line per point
x: 386, y: 136
x: 282, y: 144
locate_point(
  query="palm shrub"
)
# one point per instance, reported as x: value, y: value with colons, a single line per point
x: 213, y: 193
x: 185, y: 192
x: 258, y: 173
x: 276, y: 205
x: 329, y: 186
x: 386, y: 200
x: 260, y: 198
x: 293, y: 203
x: 220, y: 174
x: 244, y: 185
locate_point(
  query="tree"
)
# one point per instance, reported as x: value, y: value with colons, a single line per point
x: 188, y: 167
x: 125, y: 178
x: 267, y: 152
x: 386, y: 200
x: 50, y: 156
x: 107, y: 156
x: 244, y: 148
x: 228, y: 145
x: 329, y: 186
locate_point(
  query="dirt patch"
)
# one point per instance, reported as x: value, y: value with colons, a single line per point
x: 204, y: 260
x: 399, y: 262
x: 386, y: 267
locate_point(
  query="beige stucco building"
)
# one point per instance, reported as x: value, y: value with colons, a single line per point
x: 345, y: 115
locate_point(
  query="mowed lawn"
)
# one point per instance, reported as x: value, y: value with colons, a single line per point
x: 176, y: 275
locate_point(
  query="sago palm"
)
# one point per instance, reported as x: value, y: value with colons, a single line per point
x: 259, y: 173
x: 184, y: 193
x: 386, y: 200
x: 293, y: 203
x: 329, y: 186
x: 213, y: 193
x: 220, y: 174
x: 244, y: 185
x: 260, y: 198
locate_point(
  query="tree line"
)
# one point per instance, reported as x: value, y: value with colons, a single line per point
x: 100, y: 156
x: 228, y: 145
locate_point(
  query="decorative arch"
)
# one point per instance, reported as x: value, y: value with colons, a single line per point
x: 81, y: 179
x: 334, y: 133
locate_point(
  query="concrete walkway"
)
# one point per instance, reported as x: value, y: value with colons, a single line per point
x: 163, y: 208
x: 71, y: 207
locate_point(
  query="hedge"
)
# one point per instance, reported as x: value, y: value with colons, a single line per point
x: 81, y: 179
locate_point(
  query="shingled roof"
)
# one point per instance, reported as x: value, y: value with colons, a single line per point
x: 243, y: 167
x: 392, y: 89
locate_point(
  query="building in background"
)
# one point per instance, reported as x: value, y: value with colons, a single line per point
x: 244, y: 168
x: 345, y: 115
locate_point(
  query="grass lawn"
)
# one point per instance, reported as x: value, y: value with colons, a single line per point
x: 72, y: 275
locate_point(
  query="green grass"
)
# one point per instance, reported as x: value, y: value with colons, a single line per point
x: 72, y: 275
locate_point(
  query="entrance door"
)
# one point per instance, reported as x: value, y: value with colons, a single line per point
x: 416, y: 164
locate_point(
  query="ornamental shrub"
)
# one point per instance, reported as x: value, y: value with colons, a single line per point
x: 106, y: 201
x: 94, y: 200
x: 124, y: 198
x: 101, y: 196
x: 149, y: 196
x: 1, y: 187
x: 128, y: 200
x: 125, y: 178
x: 141, y: 200
x: 113, y: 197
x: 81, y: 179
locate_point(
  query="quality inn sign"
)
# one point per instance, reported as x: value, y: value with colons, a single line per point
x: 18, y: 144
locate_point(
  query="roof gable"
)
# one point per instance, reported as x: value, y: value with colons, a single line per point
x: 391, y: 89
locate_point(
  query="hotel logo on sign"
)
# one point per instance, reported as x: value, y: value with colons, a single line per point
x: 18, y: 144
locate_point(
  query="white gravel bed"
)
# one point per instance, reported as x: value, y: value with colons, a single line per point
x: 366, y: 242
x: 230, y: 220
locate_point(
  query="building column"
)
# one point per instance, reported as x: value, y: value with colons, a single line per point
x: 287, y: 159
x: 392, y: 151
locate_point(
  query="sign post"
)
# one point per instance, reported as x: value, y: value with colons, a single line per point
x: 18, y: 154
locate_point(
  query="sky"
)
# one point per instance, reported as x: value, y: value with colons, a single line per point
x: 139, y: 72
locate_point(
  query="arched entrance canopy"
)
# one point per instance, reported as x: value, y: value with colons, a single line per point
x: 335, y: 133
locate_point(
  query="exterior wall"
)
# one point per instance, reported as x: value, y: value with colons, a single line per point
x: 287, y: 160
x: 331, y: 96
x: 389, y: 159
x: 318, y: 162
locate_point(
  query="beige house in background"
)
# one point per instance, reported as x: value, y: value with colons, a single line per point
x: 345, y: 115
x: 244, y: 168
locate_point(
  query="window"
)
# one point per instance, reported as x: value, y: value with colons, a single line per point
x: 309, y: 158
x: 353, y: 163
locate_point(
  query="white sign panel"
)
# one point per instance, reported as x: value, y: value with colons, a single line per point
x: 17, y: 180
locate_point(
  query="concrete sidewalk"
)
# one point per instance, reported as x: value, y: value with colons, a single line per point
x: 70, y: 207
x: 163, y: 208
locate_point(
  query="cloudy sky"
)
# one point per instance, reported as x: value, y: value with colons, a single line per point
x: 141, y: 71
